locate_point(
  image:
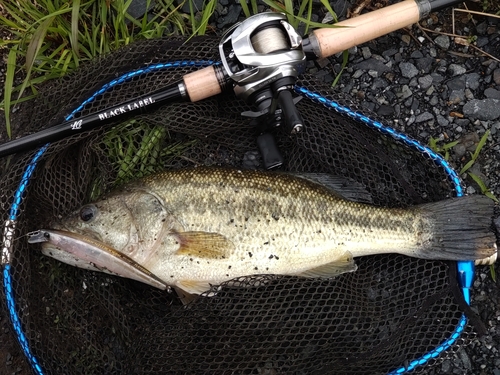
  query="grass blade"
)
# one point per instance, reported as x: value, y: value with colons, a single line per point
x: 345, y: 59
x: 482, y: 186
x: 206, y: 14
x: 33, y: 49
x: 255, y: 10
x: 480, y: 145
x: 74, y: 30
x: 244, y: 7
x: 9, y: 82
x: 326, y: 4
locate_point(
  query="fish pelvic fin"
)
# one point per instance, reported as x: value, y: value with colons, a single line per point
x: 461, y: 229
x: 193, y: 287
x: 207, y: 245
x: 185, y: 297
x: 345, y: 263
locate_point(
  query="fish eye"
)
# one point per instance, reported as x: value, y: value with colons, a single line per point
x: 88, y: 212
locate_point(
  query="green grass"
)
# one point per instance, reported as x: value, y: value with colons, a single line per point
x: 491, y: 6
x: 444, y: 149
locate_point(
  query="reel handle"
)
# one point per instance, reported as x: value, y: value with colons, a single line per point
x: 292, y: 118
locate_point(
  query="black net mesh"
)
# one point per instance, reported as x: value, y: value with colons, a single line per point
x: 391, y: 311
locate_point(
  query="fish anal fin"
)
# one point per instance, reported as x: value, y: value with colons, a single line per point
x: 192, y: 286
x: 345, y: 263
x: 207, y: 245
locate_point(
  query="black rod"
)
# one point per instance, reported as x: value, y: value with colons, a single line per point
x: 437, y: 5
x: 81, y: 124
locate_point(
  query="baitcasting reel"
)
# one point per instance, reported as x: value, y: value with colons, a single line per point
x: 263, y: 56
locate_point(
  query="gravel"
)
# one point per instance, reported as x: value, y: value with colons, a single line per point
x: 425, y: 84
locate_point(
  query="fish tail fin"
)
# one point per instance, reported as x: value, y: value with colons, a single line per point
x: 461, y: 229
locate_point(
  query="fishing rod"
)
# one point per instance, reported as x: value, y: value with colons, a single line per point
x: 261, y: 58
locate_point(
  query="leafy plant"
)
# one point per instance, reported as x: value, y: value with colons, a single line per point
x: 445, y: 151
x: 442, y: 149
x: 471, y: 162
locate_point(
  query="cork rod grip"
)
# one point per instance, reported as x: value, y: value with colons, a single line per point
x: 365, y: 27
x: 202, y: 84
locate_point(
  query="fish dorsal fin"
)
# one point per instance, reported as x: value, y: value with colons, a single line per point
x: 345, y: 263
x: 204, y: 245
x: 345, y: 188
x: 193, y: 286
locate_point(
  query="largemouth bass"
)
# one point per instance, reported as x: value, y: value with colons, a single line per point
x: 199, y: 227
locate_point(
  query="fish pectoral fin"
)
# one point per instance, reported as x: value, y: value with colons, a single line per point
x: 204, y: 245
x: 193, y: 286
x: 345, y: 263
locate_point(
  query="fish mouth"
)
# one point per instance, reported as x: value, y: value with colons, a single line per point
x: 86, y: 252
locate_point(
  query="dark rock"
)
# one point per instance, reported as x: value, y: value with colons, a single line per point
x: 442, y: 120
x: 231, y: 17
x: 456, y: 96
x: 472, y: 80
x: 424, y: 64
x: 365, y: 51
x: 456, y: 84
x: 385, y: 110
x: 138, y: 8
x: 425, y: 82
x: 389, y: 52
x: 442, y: 41
x: 446, y: 366
x: 465, y: 359
x: 481, y: 28
x: 459, y: 150
x: 405, y: 92
x: 426, y: 116
x: 492, y: 93
x: 415, y: 105
x: 379, y: 83
x: 197, y: 5
x: 434, y: 100
x: 496, y: 76
x: 372, y: 64
x: 482, y: 41
x: 408, y: 70
x: 486, y: 109
x: 369, y: 106
x: 456, y: 70
x: 437, y: 78
x: 463, y: 122
x: 340, y: 7
x: 417, y: 54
